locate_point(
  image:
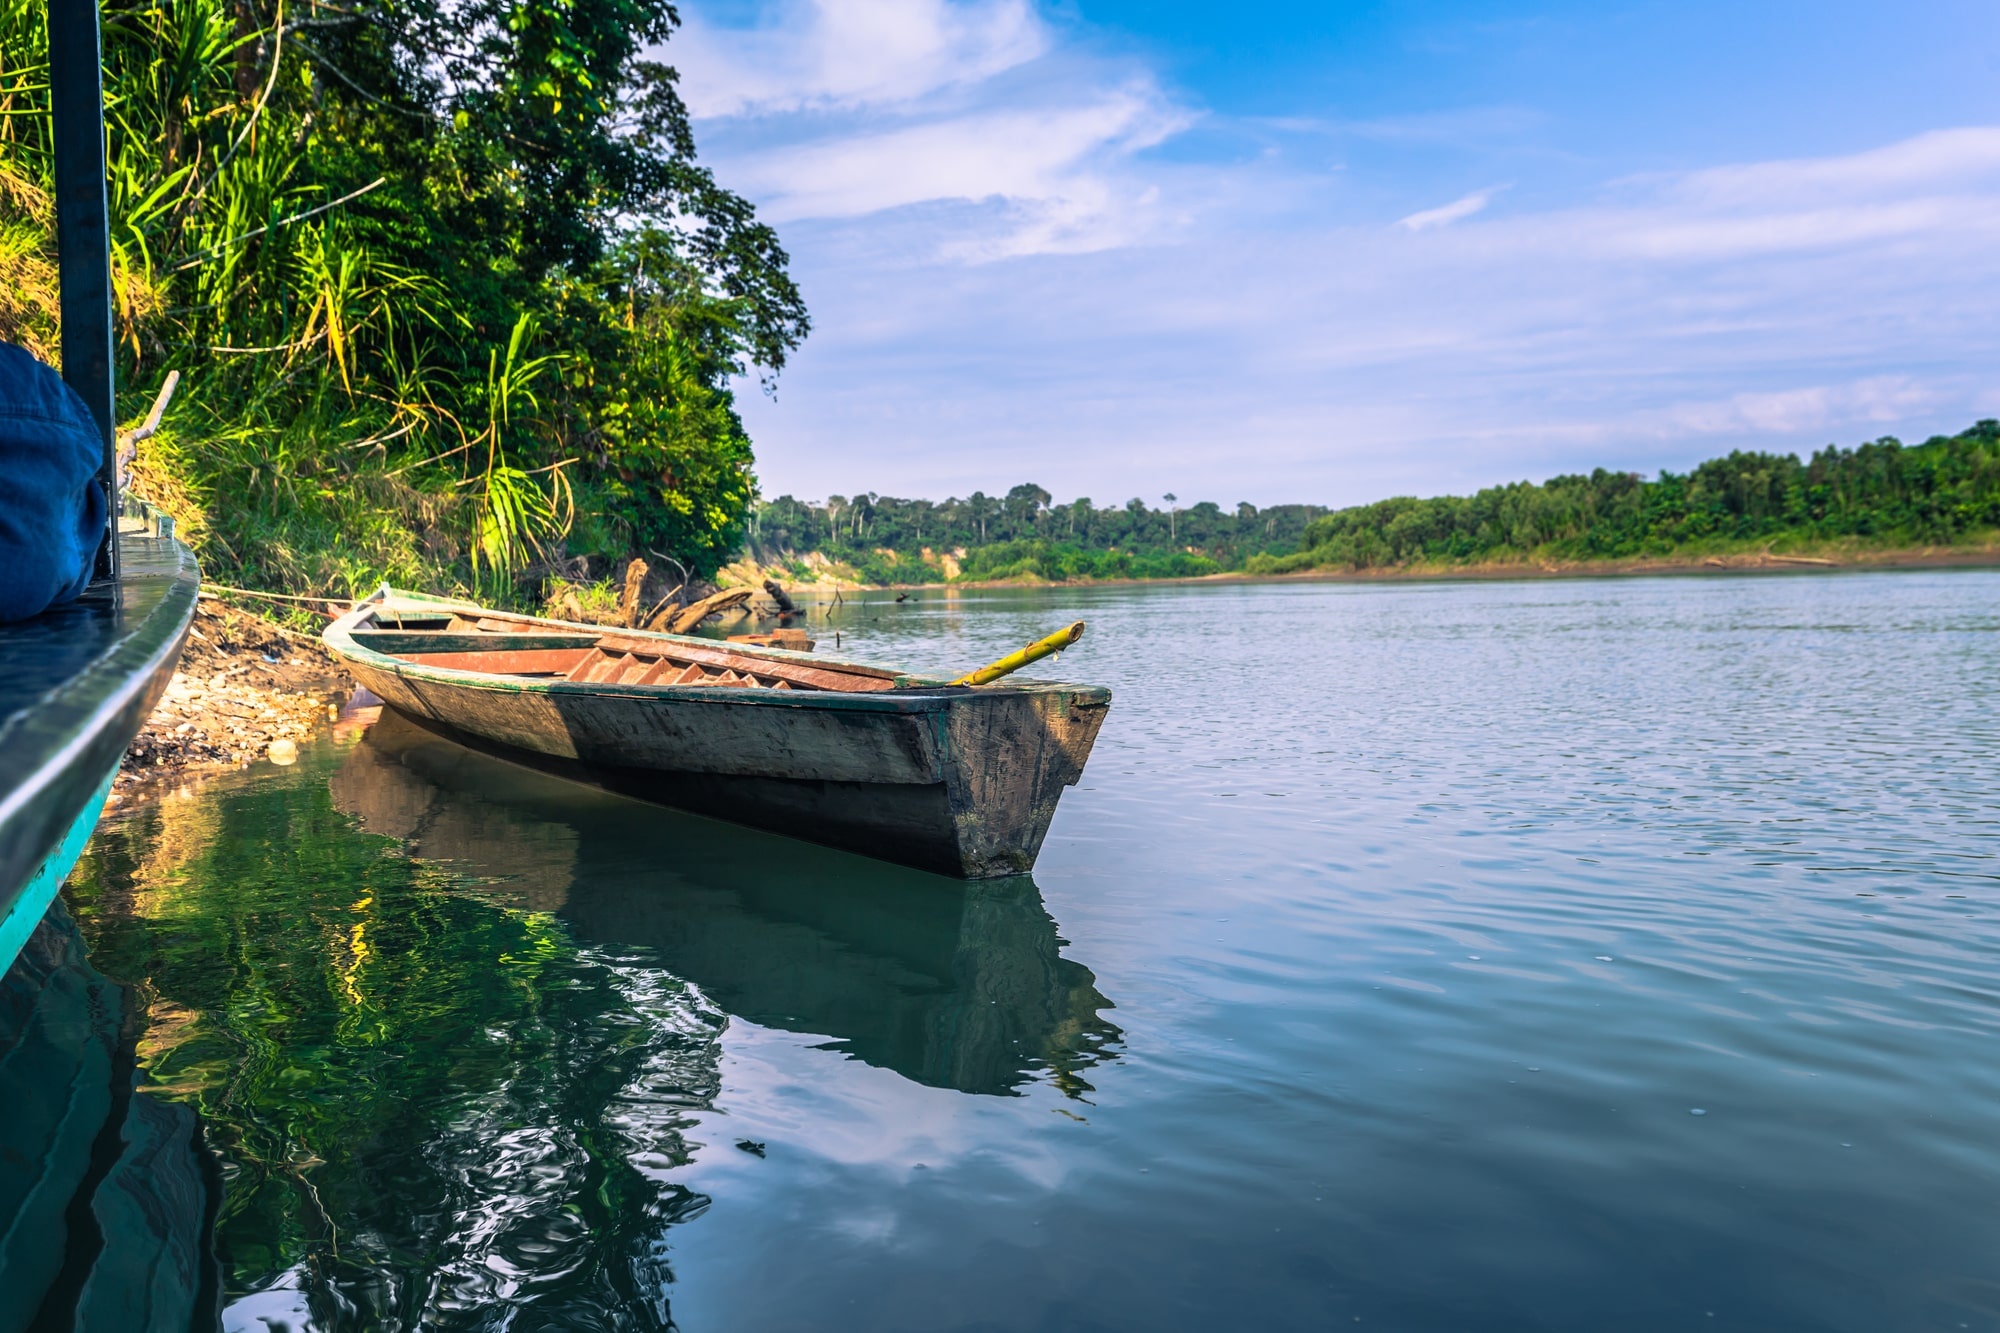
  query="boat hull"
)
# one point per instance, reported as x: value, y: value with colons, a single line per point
x: 957, y: 780
x: 79, y: 681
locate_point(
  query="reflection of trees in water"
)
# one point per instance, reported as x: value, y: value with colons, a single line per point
x: 452, y: 1077
x: 421, y: 1104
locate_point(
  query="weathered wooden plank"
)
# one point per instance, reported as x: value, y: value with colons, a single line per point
x: 795, y: 640
x: 505, y: 662
x: 850, y: 678
x: 640, y: 640
x: 400, y: 643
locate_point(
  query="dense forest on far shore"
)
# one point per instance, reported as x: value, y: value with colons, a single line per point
x: 1024, y: 534
x: 1883, y: 495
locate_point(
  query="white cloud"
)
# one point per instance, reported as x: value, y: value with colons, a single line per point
x: 996, y: 260
x: 1269, y: 355
x: 821, y: 54
x: 1927, y: 162
x: 1021, y: 145
x: 1449, y: 213
x: 1052, y: 155
x: 1465, y: 125
x: 1883, y: 400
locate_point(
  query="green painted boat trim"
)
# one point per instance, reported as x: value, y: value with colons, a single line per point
x: 439, y: 641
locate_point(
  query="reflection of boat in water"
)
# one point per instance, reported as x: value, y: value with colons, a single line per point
x: 107, y: 1195
x: 950, y: 984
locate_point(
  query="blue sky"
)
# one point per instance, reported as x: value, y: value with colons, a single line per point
x: 1341, y: 251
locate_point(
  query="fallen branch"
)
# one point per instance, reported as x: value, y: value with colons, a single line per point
x: 707, y: 607
x: 658, y: 616
x: 786, y: 606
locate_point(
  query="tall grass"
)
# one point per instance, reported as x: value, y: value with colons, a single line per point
x: 345, y: 417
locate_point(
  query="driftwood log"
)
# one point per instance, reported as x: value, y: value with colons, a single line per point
x: 786, y: 606
x: 657, y: 616
x: 680, y: 622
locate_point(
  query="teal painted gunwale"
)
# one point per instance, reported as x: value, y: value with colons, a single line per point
x: 32, y: 903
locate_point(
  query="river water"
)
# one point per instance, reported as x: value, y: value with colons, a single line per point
x: 1564, y: 955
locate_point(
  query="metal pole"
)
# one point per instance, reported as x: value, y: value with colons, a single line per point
x: 83, y: 234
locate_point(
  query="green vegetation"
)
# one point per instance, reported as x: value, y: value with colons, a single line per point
x: 1883, y: 495
x: 455, y: 304
x: 453, y: 300
x: 1023, y: 535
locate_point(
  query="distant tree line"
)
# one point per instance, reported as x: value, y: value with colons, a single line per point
x: 1881, y: 494
x: 1885, y: 493
x: 1026, y: 533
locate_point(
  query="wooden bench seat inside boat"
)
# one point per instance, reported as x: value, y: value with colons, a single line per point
x: 616, y: 660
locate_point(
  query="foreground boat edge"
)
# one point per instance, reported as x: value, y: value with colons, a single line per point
x: 63, y: 750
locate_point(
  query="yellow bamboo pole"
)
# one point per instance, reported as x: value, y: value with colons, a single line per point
x: 1034, y: 652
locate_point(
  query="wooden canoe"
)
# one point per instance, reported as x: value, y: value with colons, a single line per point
x: 955, y: 779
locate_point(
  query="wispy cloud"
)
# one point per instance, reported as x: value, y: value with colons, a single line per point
x: 973, y: 107
x: 1938, y: 160
x: 1057, y: 163
x: 805, y: 55
x: 1466, y: 125
x: 1447, y: 214
x: 1881, y: 400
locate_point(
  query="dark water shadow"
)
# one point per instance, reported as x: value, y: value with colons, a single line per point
x: 107, y: 1195
x: 950, y: 984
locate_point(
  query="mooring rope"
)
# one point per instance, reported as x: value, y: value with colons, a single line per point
x: 207, y: 588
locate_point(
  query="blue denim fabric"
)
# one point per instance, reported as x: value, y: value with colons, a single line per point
x: 51, y: 507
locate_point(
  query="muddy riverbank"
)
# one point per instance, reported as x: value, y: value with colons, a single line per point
x: 247, y: 689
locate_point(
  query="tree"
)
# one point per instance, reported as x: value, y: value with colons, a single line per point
x: 1024, y: 505
x: 979, y: 507
x: 378, y: 195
